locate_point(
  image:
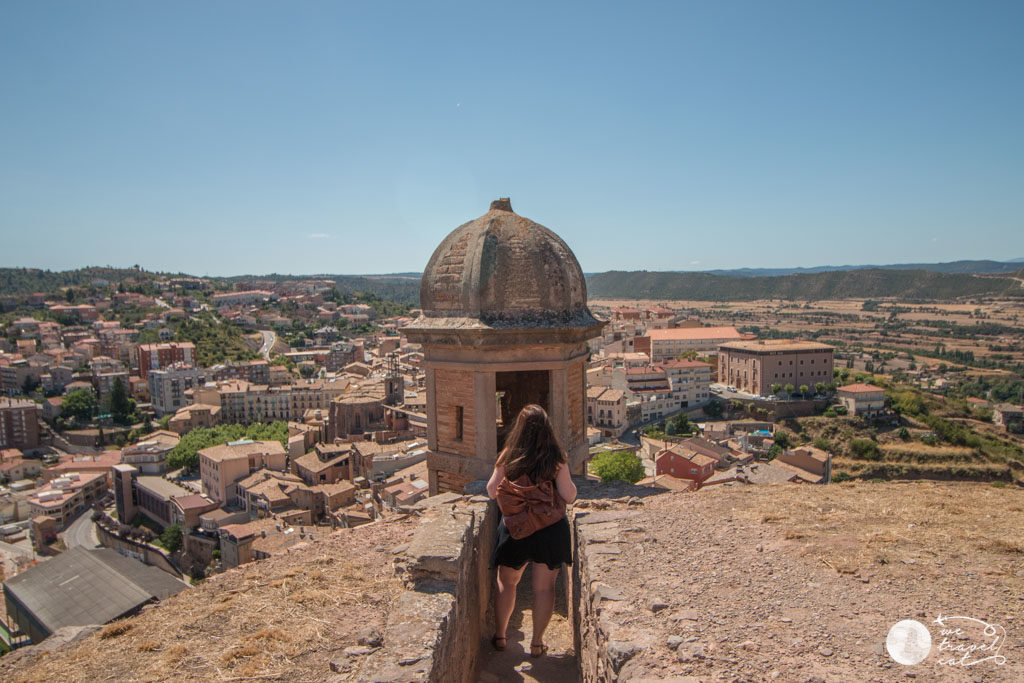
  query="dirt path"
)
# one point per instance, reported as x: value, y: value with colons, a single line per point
x: 515, y: 664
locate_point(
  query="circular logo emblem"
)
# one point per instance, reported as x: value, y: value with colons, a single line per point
x: 908, y: 642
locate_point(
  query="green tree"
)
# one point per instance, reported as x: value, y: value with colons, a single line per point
x: 783, y: 439
x: 713, y: 408
x: 804, y: 389
x: 789, y: 389
x: 670, y: 428
x: 681, y: 424
x: 171, y: 538
x: 617, y: 466
x: 79, y: 404
x: 186, y: 453
x: 820, y: 387
x: 307, y: 370
x: 122, y: 406
x: 776, y: 389
x: 865, y: 449
x: 165, y: 421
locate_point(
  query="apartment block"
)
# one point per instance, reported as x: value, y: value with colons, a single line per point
x: 19, y: 424
x: 167, y: 386
x: 691, y: 381
x: 65, y: 496
x: 157, y: 356
x: 221, y: 467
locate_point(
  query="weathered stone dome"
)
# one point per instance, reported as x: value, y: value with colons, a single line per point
x: 504, y: 270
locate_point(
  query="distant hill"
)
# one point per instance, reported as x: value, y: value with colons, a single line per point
x: 15, y: 281
x: 980, y: 267
x: 402, y: 288
x: 869, y: 283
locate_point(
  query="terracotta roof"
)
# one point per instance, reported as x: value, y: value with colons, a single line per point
x: 861, y: 388
x: 192, y: 502
x: 241, y: 449
x: 770, y: 345
x: 687, y: 333
x: 683, y: 363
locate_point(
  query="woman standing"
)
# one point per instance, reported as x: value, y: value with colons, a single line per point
x: 532, y: 485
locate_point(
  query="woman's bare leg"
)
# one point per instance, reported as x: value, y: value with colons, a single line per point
x: 505, y: 598
x: 543, y: 600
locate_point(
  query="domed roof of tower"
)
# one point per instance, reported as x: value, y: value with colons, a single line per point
x: 505, y: 271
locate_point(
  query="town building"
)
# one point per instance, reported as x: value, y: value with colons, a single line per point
x: 862, y: 400
x: 685, y: 464
x: 167, y: 386
x: 606, y: 410
x: 690, y: 380
x: 193, y: 417
x: 255, y: 371
x: 244, y: 403
x: 754, y: 366
x: 221, y: 467
x: 355, y: 414
x: 148, y: 495
x: 809, y: 464
x: 242, y: 298
x: 64, y: 497
x: 157, y: 356
x: 19, y: 424
x: 342, y: 353
x: 651, y: 386
x: 666, y: 344
x: 150, y: 455
x: 15, y: 467
x: 1008, y: 416
x: 505, y: 323
x: 187, y: 510
x: 329, y: 463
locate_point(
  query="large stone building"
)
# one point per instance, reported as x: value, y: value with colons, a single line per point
x: 505, y: 323
x: 754, y: 366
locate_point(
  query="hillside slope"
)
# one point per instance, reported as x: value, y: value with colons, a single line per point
x: 873, y: 283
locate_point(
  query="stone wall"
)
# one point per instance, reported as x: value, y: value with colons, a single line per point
x: 435, y: 631
x: 141, y: 551
x: 456, y: 390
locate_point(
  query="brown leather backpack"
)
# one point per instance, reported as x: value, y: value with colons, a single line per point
x: 529, y: 507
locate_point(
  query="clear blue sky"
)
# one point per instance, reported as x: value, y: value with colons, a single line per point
x: 350, y: 137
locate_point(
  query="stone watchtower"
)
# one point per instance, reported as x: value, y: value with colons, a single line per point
x: 505, y: 323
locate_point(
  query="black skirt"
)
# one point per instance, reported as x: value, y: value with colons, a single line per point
x: 551, y: 545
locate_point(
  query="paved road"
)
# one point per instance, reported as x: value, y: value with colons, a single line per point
x: 269, y: 339
x: 82, y: 532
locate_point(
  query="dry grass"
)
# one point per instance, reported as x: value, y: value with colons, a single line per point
x: 277, y: 618
x: 896, y: 526
x: 118, y: 628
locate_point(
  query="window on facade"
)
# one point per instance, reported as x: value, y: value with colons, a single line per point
x: 458, y: 423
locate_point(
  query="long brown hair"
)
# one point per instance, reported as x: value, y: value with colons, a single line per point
x: 531, y: 447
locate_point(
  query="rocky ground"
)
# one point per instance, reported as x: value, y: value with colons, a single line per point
x: 803, y: 583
